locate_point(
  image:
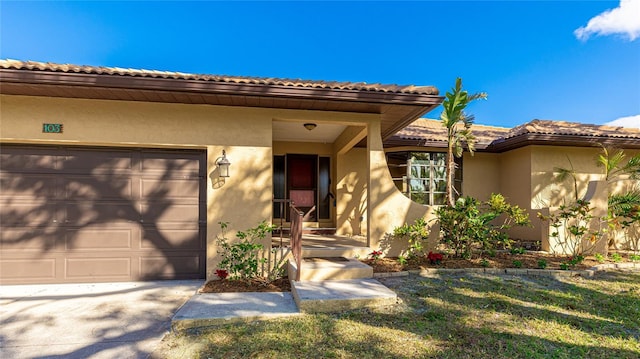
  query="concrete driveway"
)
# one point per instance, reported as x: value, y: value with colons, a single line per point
x: 106, y: 320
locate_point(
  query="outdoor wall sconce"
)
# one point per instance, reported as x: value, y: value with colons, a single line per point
x: 223, y: 165
x: 310, y: 126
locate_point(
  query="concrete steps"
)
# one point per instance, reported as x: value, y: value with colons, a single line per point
x: 339, y: 295
x: 335, y: 251
x: 329, y: 268
x: 335, y: 283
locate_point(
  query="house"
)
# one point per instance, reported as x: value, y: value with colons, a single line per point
x: 519, y: 163
x: 111, y: 174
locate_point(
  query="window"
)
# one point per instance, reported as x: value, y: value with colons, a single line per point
x: 421, y: 176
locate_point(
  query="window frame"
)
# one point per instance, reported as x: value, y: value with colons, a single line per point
x: 426, y: 173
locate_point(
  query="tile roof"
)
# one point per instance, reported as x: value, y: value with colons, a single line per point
x: 430, y: 132
x: 573, y: 128
x: 269, y: 81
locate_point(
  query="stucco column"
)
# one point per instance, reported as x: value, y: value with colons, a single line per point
x: 598, y: 196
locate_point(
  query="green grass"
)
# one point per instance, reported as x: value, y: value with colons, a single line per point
x: 449, y: 316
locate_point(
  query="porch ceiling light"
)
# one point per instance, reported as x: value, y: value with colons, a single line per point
x: 223, y: 165
x: 310, y: 126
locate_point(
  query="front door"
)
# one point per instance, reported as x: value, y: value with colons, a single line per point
x: 306, y: 181
x: 302, y: 186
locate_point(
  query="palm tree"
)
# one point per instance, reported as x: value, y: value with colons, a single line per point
x: 458, y: 126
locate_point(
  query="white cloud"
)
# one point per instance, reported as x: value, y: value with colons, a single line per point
x: 624, y: 20
x: 629, y: 121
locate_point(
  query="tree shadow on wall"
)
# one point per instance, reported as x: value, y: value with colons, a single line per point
x: 145, y: 208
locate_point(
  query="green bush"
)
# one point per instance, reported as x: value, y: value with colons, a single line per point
x: 473, y: 224
x: 241, y: 259
x: 416, y: 233
x: 571, y: 226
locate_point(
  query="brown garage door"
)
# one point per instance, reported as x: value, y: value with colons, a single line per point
x: 73, y: 214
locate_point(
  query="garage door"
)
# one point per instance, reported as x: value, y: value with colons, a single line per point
x: 71, y: 214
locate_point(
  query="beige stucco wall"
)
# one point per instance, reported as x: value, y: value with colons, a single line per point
x: 547, y: 192
x: 480, y: 175
x: 515, y: 185
x: 351, y: 192
x: 244, y: 199
x: 387, y: 207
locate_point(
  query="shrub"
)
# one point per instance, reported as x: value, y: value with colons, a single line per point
x: 518, y: 250
x: 572, y: 262
x: 517, y: 263
x: 435, y: 258
x: 375, y: 255
x: 402, y: 260
x: 471, y: 223
x: 599, y: 258
x: 485, y: 263
x: 416, y: 234
x: 571, y: 226
x: 542, y: 263
x: 241, y: 259
x: 616, y: 257
x: 222, y: 274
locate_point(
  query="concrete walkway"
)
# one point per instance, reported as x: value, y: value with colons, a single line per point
x: 106, y: 320
x: 209, y: 309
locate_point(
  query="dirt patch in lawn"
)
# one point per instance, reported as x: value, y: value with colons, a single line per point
x: 527, y: 260
x: 253, y: 285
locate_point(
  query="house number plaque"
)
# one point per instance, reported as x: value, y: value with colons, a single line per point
x: 52, y: 128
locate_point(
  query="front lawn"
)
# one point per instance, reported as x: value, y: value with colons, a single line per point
x: 449, y: 316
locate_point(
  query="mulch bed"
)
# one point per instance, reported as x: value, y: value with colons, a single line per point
x: 254, y: 285
x: 528, y: 260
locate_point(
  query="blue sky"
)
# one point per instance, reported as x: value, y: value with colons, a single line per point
x: 527, y: 55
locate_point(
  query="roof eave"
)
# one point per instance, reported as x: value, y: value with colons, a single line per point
x: 530, y: 139
x: 55, y: 78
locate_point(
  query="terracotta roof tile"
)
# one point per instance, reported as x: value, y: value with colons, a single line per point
x: 549, y: 127
x: 335, y: 85
x: 431, y: 132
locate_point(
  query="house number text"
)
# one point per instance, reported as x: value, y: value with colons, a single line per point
x: 52, y: 127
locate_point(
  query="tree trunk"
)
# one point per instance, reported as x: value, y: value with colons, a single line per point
x: 450, y: 171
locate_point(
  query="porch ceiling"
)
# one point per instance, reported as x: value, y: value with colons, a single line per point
x: 295, y: 131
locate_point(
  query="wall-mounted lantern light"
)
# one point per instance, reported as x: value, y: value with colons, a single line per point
x: 223, y: 165
x: 310, y: 126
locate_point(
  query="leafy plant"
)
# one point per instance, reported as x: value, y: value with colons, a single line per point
x: 416, y: 234
x: 571, y: 226
x: 518, y: 250
x: 458, y: 125
x: 241, y: 259
x: 222, y: 273
x: 599, y: 257
x: 517, y: 263
x: 484, y: 262
x: 572, y: 262
x: 624, y: 214
x: 402, y: 260
x: 634, y: 257
x: 471, y: 223
x: 435, y: 258
x: 375, y: 255
x: 616, y: 257
x: 542, y: 263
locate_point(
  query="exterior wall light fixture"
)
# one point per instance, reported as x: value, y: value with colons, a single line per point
x: 223, y: 165
x: 310, y: 126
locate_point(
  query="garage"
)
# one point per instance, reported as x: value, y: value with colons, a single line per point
x: 90, y: 214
